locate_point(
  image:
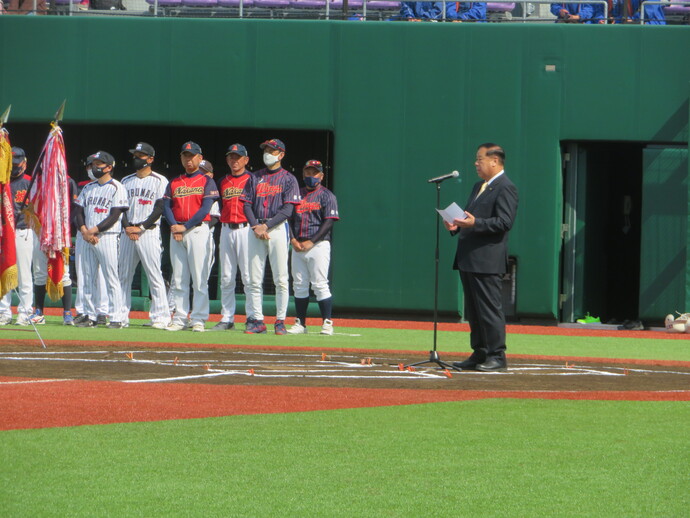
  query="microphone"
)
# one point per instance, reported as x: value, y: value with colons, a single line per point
x: 439, y: 179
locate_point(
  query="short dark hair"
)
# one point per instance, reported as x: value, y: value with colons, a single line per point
x: 494, y: 150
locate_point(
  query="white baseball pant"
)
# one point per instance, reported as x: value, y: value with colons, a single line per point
x: 234, y: 253
x: 189, y: 259
x: 100, y: 291
x: 276, y: 248
x: 24, y: 240
x: 148, y: 250
x: 312, y: 266
x: 105, y: 255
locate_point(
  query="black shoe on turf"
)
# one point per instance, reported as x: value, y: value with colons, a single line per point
x: 101, y: 320
x: 115, y: 325
x: 223, y: 326
x: 87, y: 323
x: 81, y: 317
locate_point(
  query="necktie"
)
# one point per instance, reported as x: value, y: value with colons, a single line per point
x: 482, y: 189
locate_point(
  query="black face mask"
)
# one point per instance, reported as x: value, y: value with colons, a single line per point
x: 17, y: 171
x: 139, y: 163
x: 97, y: 173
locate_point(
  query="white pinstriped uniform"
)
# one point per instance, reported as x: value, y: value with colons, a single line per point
x: 142, y: 194
x: 97, y: 200
x: 100, y: 291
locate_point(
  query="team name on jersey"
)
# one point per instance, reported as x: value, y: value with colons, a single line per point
x: 184, y: 190
x: 232, y: 192
x: 19, y: 196
x: 139, y: 192
x: 266, y: 189
x: 99, y: 201
x: 308, y: 206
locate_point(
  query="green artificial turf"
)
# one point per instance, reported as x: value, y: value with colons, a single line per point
x: 367, y: 338
x: 480, y: 458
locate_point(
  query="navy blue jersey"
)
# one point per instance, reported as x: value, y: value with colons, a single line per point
x: 267, y: 191
x: 19, y: 188
x: 316, y: 206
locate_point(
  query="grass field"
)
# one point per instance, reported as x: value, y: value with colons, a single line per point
x: 504, y: 457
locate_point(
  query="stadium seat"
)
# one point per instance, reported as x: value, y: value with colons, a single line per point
x: 235, y: 3
x: 200, y: 3
x: 353, y: 4
x: 497, y: 11
x: 272, y: 4
x: 166, y: 3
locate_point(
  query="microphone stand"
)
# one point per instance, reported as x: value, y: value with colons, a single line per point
x: 433, y: 354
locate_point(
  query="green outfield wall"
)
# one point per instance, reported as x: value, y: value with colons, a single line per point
x: 404, y: 102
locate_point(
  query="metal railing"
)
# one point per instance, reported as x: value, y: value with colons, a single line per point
x: 658, y: 3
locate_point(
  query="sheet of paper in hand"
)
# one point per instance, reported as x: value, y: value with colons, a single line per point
x: 451, y: 213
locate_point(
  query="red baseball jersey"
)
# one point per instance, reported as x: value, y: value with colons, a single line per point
x: 231, y: 188
x: 187, y: 193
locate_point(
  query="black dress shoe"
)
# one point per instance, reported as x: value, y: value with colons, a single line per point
x: 467, y: 365
x: 493, y: 365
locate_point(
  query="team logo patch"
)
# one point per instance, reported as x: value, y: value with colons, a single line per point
x: 99, y: 210
x: 232, y: 192
x: 182, y: 191
x: 266, y: 189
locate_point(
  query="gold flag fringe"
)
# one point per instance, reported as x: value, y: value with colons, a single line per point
x: 56, y: 291
x: 9, y: 280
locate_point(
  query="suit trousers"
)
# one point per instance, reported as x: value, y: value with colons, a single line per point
x: 484, y: 312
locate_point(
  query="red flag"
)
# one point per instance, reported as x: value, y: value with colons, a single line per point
x: 8, y: 250
x: 49, y: 210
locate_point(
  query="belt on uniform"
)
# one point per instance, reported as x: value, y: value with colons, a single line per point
x: 235, y: 226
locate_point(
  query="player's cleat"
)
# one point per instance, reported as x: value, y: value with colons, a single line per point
x: 255, y: 327
x: 37, y: 318
x: 223, y: 326
x: 5, y: 319
x: 80, y: 318
x: 150, y: 324
x: 175, y: 327
x: 101, y: 320
x: 297, y: 328
x: 67, y: 319
x: 22, y: 320
x: 279, y: 327
x: 159, y: 325
x: 198, y: 327
x: 589, y: 319
x: 115, y: 325
x: 87, y: 323
x: 327, y: 327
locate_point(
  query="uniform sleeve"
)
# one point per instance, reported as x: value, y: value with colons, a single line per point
x: 556, y: 9
x: 80, y: 199
x: 248, y: 191
x: 162, y: 187
x: 477, y: 11
x: 586, y: 12
x: 167, y: 193
x: 291, y: 193
x: 210, y: 189
x: 329, y: 209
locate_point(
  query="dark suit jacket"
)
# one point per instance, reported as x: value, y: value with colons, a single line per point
x: 484, y: 247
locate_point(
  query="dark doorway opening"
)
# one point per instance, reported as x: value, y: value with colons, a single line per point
x: 602, y: 239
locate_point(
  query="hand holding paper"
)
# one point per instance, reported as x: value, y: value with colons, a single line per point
x: 451, y: 213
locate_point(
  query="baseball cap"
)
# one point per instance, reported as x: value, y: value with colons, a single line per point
x: 18, y: 155
x: 104, y: 157
x: 143, y: 147
x: 315, y: 164
x: 89, y: 159
x: 238, y: 149
x: 206, y: 166
x: 191, y: 147
x: 274, y: 143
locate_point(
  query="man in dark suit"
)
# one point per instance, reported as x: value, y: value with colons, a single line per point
x: 482, y: 258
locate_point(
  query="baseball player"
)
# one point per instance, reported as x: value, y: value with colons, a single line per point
x: 269, y: 197
x: 24, y: 239
x: 234, y: 235
x: 98, y: 212
x: 141, y: 240
x: 40, y: 270
x: 188, y: 200
x: 311, y: 226
x: 100, y: 291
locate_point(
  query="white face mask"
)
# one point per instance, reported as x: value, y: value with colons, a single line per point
x: 270, y: 159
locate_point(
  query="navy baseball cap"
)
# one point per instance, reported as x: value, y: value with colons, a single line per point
x: 206, y: 166
x: 89, y: 159
x: 315, y: 164
x: 104, y: 157
x: 191, y: 147
x: 238, y: 149
x: 18, y: 155
x: 275, y: 144
x: 143, y: 147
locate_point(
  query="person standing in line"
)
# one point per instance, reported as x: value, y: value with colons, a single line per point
x: 311, y: 225
x: 188, y: 201
x: 234, y: 236
x: 482, y: 258
x: 98, y: 212
x: 269, y: 197
x: 141, y: 240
